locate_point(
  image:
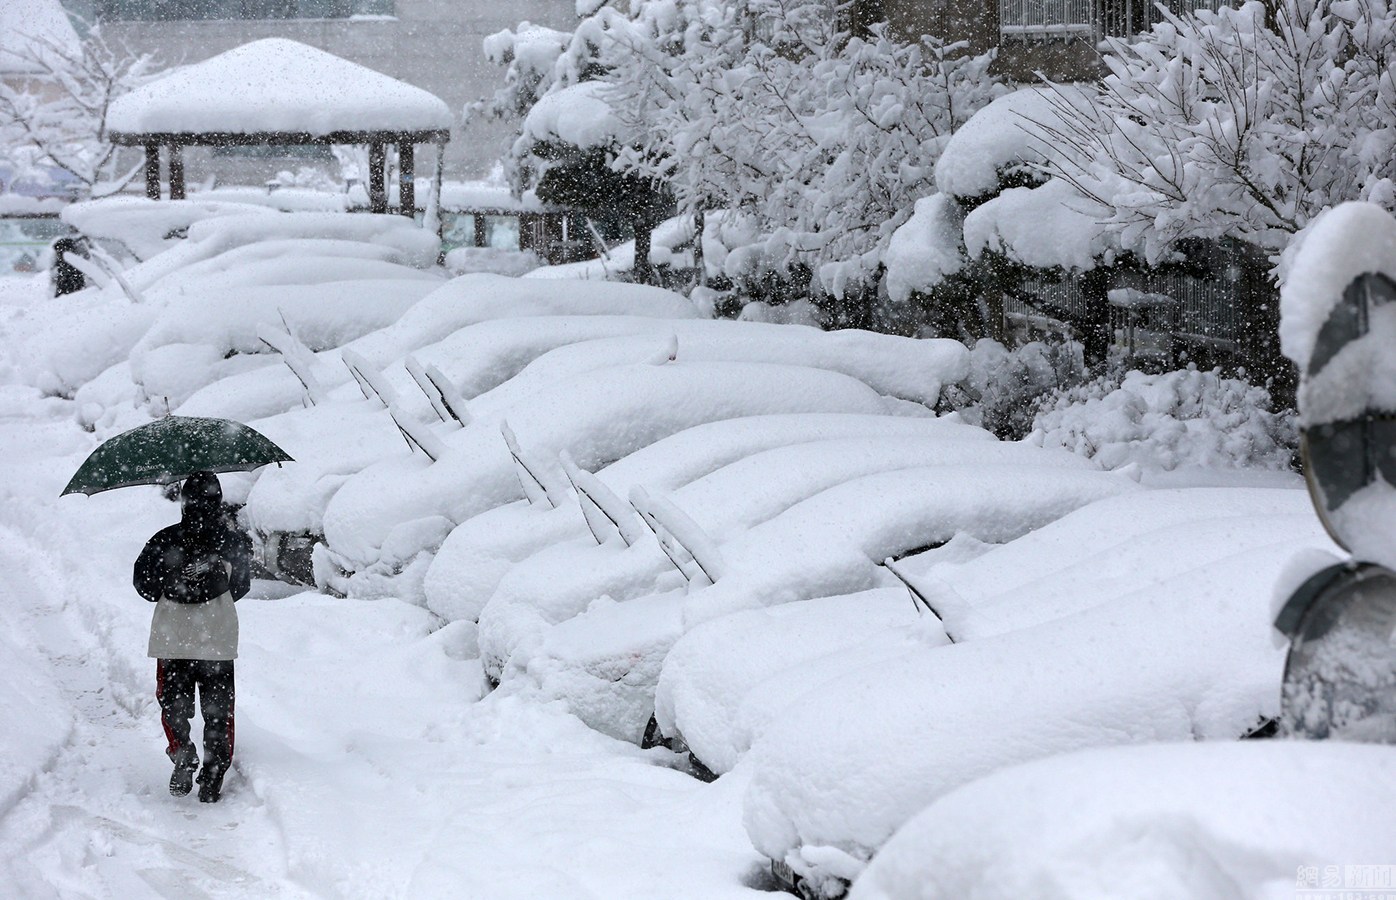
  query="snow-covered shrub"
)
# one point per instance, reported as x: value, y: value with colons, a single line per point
x: 1005, y: 388
x: 1245, y: 122
x: 1186, y: 418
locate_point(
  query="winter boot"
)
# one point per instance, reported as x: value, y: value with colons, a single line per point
x: 211, y: 783
x: 182, y: 779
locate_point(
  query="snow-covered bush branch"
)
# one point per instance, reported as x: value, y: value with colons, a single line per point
x: 1245, y: 122
x: 57, y: 117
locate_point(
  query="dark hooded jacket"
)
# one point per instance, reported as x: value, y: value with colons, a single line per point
x: 193, y: 571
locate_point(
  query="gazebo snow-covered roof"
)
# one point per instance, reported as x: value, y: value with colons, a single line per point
x: 278, y: 91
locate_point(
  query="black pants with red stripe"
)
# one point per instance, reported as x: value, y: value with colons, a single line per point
x: 175, y: 682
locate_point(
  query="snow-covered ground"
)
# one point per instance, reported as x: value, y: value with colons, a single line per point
x: 367, y: 765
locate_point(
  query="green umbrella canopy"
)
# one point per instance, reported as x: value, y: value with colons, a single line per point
x: 171, y: 449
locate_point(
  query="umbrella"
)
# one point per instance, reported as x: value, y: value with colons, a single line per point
x: 171, y: 449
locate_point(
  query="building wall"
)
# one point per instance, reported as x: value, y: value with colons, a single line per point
x: 433, y: 44
x: 976, y: 21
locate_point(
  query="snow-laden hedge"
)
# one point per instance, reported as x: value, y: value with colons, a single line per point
x: 1187, y: 418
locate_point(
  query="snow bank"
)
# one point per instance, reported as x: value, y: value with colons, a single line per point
x: 1042, y: 227
x: 710, y: 670
x: 283, y: 198
x: 241, y: 262
x: 926, y: 248
x: 718, y: 700
x: 1001, y: 136
x: 1185, y: 419
x: 1176, y: 659
x: 464, y: 260
x: 579, y: 115
x: 1184, y: 821
x: 276, y: 85
x: 486, y: 354
x: 1093, y: 555
x: 329, y: 442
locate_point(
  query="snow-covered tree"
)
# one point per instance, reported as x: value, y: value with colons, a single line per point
x: 820, y: 142
x: 772, y: 108
x: 1246, y: 122
x: 57, y: 115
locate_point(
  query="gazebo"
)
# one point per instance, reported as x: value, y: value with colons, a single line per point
x: 281, y: 92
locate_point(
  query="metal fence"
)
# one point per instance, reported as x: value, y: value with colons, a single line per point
x: 1205, y: 309
x: 1091, y: 19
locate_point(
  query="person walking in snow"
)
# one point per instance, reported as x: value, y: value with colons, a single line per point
x: 193, y: 572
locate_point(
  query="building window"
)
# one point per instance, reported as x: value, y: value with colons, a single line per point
x: 184, y: 10
x: 1046, y: 18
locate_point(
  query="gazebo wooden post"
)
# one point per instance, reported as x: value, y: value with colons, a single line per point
x: 152, y: 171
x: 176, y: 171
x: 436, y: 187
x: 406, y: 179
x: 480, y: 236
x: 377, y: 181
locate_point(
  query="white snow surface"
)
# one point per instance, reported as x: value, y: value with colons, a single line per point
x: 1181, y: 420
x: 243, y: 257
x: 725, y: 680
x: 605, y: 662
x: 926, y: 248
x: 370, y: 763
x: 1003, y: 134
x: 1179, y: 821
x: 580, y: 115
x: 1043, y: 227
x: 276, y: 85
x: 900, y: 367
x: 1181, y: 656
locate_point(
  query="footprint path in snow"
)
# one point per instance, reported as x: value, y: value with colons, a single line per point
x: 94, y: 821
x: 369, y: 767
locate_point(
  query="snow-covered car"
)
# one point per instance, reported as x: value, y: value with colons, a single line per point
x: 726, y: 680
x: 605, y: 662
x: 1181, y: 651
x: 907, y: 373
x: 467, y: 569
x: 1184, y: 821
x: 188, y: 316
x: 563, y: 580
x: 598, y: 417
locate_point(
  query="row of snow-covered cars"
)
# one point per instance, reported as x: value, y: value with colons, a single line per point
x: 753, y: 543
